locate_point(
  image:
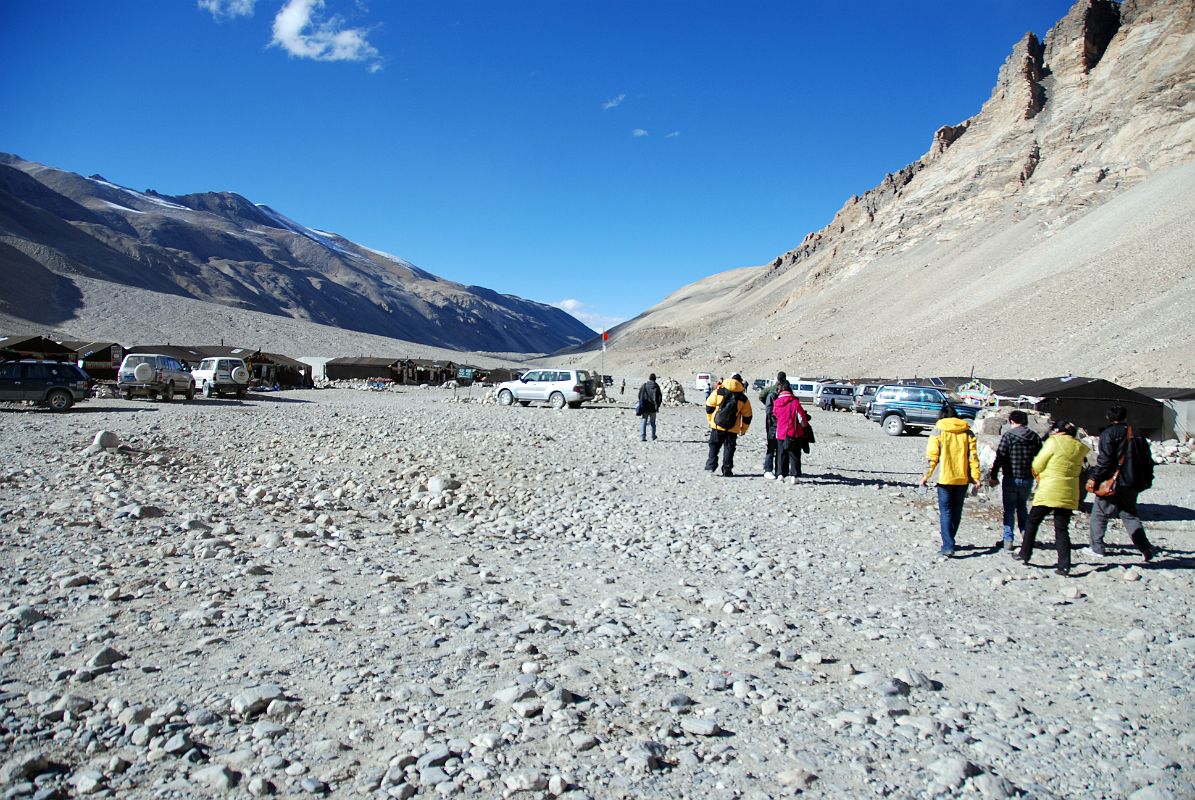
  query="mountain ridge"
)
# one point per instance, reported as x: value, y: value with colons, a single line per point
x: 1102, y: 106
x: 223, y: 248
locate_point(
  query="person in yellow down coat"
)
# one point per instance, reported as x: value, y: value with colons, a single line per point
x: 1056, y: 469
x: 951, y: 447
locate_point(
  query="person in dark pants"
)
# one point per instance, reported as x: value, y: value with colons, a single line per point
x: 1136, y: 475
x: 766, y: 397
x: 650, y: 401
x: 728, y: 412
x: 1014, y: 455
x: 1057, y: 469
x: 791, y: 422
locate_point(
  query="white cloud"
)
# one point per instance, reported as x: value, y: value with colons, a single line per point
x: 299, y: 31
x: 594, y: 320
x: 672, y: 135
x: 639, y: 133
x: 228, y: 8
x: 613, y: 102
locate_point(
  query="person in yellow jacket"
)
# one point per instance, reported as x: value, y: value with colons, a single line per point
x: 1056, y: 469
x: 729, y: 414
x: 951, y: 449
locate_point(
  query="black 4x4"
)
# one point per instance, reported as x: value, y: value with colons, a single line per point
x: 901, y: 408
x: 51, y: 383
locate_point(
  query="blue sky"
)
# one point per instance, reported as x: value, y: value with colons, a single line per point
x: 598, y: 155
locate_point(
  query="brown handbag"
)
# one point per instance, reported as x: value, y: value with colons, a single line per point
x: 1107, y: 488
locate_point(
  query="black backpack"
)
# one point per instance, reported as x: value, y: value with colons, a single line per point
x: 727, y: 415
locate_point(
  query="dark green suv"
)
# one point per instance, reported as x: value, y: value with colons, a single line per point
x: 55, y: 384
x: 912, y: 408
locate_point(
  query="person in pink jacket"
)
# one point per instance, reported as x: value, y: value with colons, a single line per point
x: 791, y: 421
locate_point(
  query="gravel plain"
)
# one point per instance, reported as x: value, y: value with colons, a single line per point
x: 392, y: 594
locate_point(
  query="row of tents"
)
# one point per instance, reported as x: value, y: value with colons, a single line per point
x: 102, y: 359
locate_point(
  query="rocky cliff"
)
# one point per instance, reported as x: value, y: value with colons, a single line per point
x: 1051, y: 232
x: 59, y: 229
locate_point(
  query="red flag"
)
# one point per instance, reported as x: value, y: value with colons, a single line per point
x: 605, y: 335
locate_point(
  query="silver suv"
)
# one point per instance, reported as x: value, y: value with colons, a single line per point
x: 216, y: 376
x: 153, y: 375
x: 556, y: 387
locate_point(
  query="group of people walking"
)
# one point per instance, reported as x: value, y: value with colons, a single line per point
x: 1037, y: 478
x: 1123, y: 469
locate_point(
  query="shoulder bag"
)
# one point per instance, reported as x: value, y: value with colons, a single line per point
x: 1107, y: 488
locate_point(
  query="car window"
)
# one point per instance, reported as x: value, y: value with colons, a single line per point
x: 32, y: 372
x: 582, y: 375
x: 55, y: 370
x: 226, y: 363
x: 133, y: 361
x: 9, y: 372
x: 563, y: 376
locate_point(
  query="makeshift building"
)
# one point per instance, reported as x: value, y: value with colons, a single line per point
x: 39, y: 347
x: 1083, y: 401
x: 360, y: 368
x: 1178, y: 410
x: 421, y: 370
x: 100, y: 360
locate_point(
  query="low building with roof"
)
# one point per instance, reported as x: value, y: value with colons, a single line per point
x: 1178, y: 410
x: 360, y: 368
x: 38, y: 347
x: 1083, y: 401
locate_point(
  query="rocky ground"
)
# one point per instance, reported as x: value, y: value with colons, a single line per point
x: 391, y: 595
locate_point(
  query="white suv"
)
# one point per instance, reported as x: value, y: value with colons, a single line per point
x: 556, y: 387
x: 216, y: 376
x: 153, y: 375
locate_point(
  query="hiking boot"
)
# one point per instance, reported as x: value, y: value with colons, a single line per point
x: 1149, y: 553
x: 1008, y: 546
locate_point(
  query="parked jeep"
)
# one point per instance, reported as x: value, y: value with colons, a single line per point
x: 836, y: 397
x: 556, y: 387
x: 863, y: 397
x: 153, y: 375
x: 50, y: 383
x: 219, y: 376
x: 912, y: 408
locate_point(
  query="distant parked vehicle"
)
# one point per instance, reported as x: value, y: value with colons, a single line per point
x: 556, y: 387
x: 912, y: 408
x: 805, y: 390
x: 50, y: 383
x: 705, y: 382
x: 836, y: 397
x: 154, y: 375
x: 759, y: 384
x: 863, y: 397
x: 219, y: 376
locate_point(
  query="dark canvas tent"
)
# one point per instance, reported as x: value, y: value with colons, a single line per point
x: 1178, y: 410
x: 13, y: 347
x: 1083, y: 401
x: 360, y: 367
x: 191, y: 356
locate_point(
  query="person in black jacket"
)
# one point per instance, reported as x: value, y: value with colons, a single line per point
x: 1136, y: 475
x: 650, y: 400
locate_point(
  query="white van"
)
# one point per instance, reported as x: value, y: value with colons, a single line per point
x: 705, y: 382
x: 805, y: 390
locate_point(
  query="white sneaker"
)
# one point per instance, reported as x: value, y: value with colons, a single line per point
x: 768, y: 476
x: 792, y: 480
x: 1098, y: 556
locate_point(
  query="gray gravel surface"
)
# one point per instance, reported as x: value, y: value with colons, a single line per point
x: 392, y: 595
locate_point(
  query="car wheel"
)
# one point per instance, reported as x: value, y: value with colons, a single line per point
x: 556, y: 400
x: 506, y: 397
x: 893, y: 425
x: 207, y: 389
x: 190, y: 391
x: 59, y: 400
x: 168, y: 392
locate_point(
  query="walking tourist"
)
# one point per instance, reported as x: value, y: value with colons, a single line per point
x: 766, y: 396
x: 1014, y: 455
x: 1122, y: 452
x: 728, y: 412
x: 951, y: 450
x: 1057, y: 469
x: 791, y: 422
x: 650, y: 401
